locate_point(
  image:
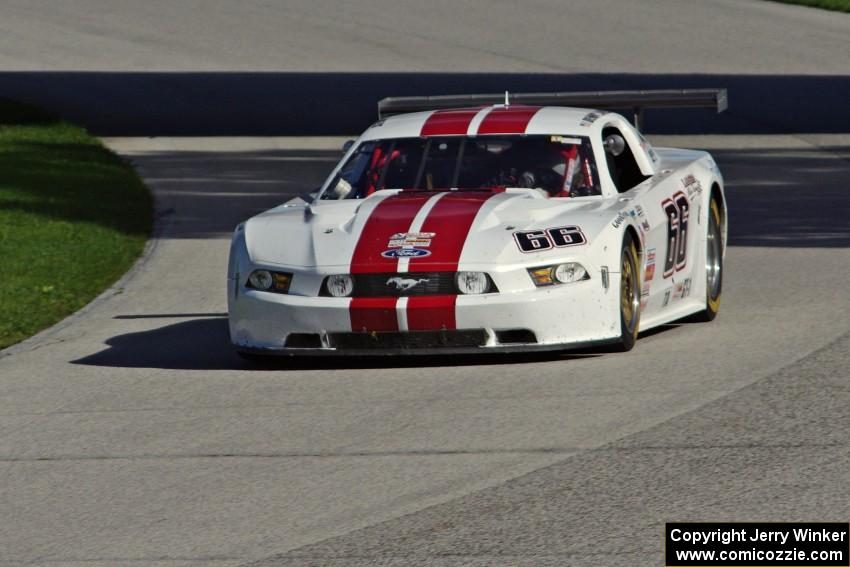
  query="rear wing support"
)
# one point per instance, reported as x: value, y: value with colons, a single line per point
x: 635, y: 101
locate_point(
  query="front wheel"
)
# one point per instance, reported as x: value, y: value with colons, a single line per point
x: 713, y: 265
x: 629, y: 294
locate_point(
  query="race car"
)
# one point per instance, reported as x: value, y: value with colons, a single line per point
x: 466, y: 225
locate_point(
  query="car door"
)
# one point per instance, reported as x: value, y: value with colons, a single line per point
x: 670, y: 233
x: 660, y: 211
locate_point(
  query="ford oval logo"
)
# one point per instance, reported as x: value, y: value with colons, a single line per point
x: 405, y: 253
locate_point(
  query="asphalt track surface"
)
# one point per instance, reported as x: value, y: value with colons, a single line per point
x: 131, y: 434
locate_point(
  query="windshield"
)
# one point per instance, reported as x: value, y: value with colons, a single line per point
x: 558, y: 166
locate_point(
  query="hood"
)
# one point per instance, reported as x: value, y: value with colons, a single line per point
x: 421, y: 230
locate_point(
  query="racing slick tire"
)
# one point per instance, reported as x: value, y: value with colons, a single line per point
x: 713, y: 265
x: 629, y: 294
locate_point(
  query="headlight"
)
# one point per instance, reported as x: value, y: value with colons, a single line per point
x: 472, y: 283
x: 267, y: 280
x: 260, y: 279
x: 570, y: 272
x: 558, y: 274
x: 339, y: 285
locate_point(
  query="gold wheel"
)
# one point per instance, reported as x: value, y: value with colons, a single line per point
x: 714, y: 259
x: 629, y: 294
x: 713, y: 264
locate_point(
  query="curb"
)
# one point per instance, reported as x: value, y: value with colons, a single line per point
x: 43, y: 337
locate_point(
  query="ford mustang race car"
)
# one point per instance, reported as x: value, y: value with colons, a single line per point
x: 454, y: 224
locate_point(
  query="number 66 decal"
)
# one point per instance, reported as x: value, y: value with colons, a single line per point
x: 677, y: 210
x: 544, y: 239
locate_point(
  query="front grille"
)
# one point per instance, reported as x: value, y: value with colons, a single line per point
x: 411, y: 284
x: 404, y: 285
x: 409, y: 339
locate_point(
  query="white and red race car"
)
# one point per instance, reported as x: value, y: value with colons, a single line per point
x: 494, y: 227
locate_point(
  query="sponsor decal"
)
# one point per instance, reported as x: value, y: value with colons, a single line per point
x: 564, y: 140
x: 405, y: 284
x: 590, y: 118
x: 649, y: 273
x: 692, y: 186
x: 650, y: 265
x: 621, y: 216
x: 677, y: 292
x: 411, y: 239
x: 405, y: 253
x: 648, y: 149
x: 682, y: 289
x: 544, y: 239
x: 636, y: 213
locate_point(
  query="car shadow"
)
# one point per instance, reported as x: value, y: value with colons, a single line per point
x: 667, y: 327
x: 202, y: 343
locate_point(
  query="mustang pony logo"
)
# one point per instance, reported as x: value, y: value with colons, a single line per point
x: 405, y: 284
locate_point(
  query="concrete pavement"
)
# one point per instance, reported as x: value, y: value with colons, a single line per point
x: 131, y: 435
x: 135, y: 434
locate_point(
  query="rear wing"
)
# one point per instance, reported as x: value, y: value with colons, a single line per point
x: 636, y: 101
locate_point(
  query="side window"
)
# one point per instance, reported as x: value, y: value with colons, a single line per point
x: 624, y: 170
x: 360, y: 174
x: 395, y: 164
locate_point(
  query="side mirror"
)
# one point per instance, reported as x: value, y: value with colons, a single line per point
x: 309, y: 197
x: 347, y: 146
x: 614, y: 144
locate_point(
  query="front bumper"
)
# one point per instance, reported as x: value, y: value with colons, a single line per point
x: 435, y: 351
x: 561, y: 317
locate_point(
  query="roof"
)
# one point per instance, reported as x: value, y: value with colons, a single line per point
x: 484, y: 120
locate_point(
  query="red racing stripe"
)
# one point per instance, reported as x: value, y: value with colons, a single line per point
x: 450, y: 221
x: 449, y: 122
x: 510, y: 120
x: 373, y: 314
x: 432, y: 312
x: 394, y: 214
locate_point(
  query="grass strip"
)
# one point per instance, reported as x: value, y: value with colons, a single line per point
x: 74, y: 216
x: 835, y: 5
